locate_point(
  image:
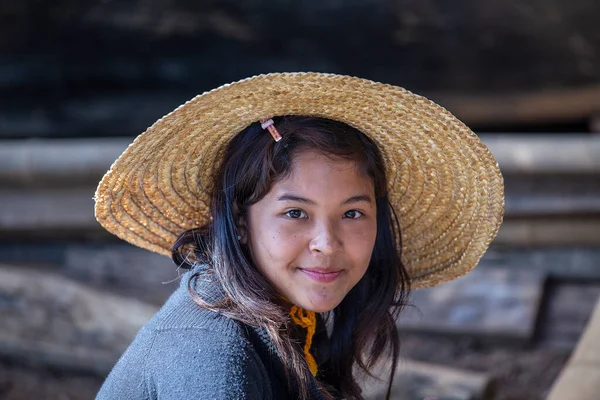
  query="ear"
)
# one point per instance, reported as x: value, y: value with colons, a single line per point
x: 240, y: 223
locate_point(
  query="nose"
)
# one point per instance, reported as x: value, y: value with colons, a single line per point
x: 326, y: 240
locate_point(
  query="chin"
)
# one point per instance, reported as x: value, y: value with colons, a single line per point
x: 321, y: 309
x: 321, y: 306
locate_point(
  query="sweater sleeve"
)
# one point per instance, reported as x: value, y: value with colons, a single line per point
x: 190, y: 363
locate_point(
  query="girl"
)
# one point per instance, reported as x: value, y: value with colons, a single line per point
x: 305, y: 206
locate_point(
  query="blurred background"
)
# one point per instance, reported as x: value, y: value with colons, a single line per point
x: 80, y: 79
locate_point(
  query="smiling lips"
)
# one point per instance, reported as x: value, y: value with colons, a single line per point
x: 321, y: 275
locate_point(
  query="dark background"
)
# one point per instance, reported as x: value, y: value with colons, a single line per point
x: 98, y: 68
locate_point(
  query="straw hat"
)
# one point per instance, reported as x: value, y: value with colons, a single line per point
x: 444, y: 183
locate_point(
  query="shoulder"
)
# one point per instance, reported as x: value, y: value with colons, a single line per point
x: 185, y: 351
x: 181, y: 363
x: 200, y: 362
x: 180, y: 311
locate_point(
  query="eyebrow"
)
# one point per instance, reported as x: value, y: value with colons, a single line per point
x: 354, y: 199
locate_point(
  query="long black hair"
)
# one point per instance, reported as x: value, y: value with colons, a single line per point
x: 364, y: 328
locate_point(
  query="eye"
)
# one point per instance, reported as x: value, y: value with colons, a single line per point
x: 296, y: 214
x: 353, y: 214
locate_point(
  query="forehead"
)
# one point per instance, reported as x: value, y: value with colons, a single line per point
x: 322, y: 175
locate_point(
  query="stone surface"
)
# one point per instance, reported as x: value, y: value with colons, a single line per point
x: 577, y: 382
x: 489, y: 302
x: 566, y: 312
x: 53, y: 321
x: 114, y: 267
x: 417, y: 381
x: 123, y: 268
x: 580, y: 379
x: 518, y: 372
x: 20, y: 382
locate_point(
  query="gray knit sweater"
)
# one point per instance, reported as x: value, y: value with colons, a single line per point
x: 185, y: 352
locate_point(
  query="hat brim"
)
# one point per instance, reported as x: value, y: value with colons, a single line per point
x: 443, y: 182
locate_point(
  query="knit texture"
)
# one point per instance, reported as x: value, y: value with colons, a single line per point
x: 186, y: 352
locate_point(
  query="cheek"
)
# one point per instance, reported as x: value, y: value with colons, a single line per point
x: 361, y: 243
x: 278, y: 239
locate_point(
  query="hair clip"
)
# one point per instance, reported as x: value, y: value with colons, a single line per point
x: 269, y: 125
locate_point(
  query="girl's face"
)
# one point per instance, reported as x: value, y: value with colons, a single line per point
x: 313, y: 234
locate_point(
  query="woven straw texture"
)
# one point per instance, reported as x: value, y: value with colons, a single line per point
x: 444, y: 183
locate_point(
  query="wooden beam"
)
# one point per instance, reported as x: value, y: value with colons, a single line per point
x: 70, y: 162
x: 553, y: 105
x: 564, y: 231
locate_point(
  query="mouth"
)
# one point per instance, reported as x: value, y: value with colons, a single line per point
x: 321, y: 275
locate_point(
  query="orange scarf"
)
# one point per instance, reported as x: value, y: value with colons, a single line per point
x: 306, y: 319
